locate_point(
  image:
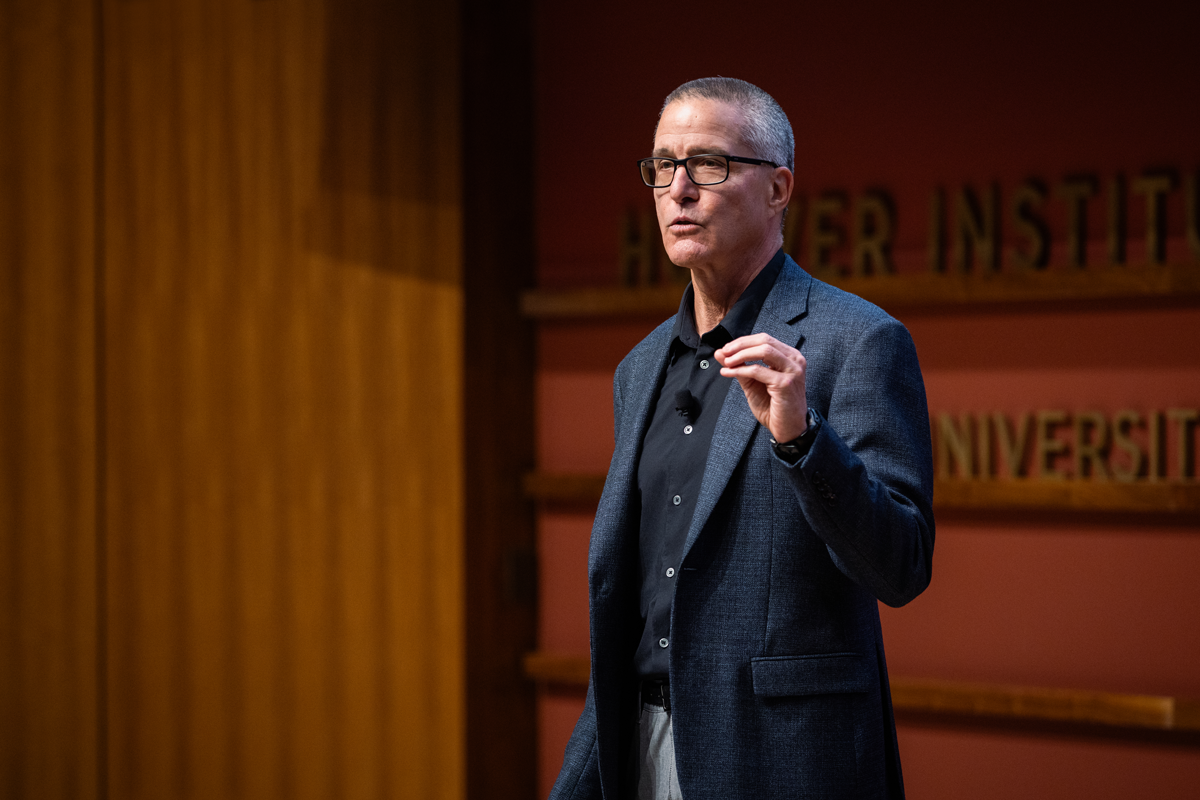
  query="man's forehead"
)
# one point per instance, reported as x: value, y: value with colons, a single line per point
x: 689, y: 126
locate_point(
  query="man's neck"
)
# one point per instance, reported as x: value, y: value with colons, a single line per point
x: 715, y: 291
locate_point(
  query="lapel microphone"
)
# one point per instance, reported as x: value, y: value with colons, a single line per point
x: 685, y: 404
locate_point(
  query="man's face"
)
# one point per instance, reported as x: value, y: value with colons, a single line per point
x: 712, y: 227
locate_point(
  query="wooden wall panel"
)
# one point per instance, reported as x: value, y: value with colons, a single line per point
x: 48, y: 700
x: 284, y: 491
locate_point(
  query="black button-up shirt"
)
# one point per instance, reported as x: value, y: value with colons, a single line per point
x: 674, y: 453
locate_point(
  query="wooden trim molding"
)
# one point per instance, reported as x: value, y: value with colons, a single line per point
x: 1168, y: 498
x: 573, y: 488
x: 1175, y: 498
x: 928, y: 291
x: 938, y: 701
x: 947, y: 698
x: 553, y: 669
x: 614, y: 301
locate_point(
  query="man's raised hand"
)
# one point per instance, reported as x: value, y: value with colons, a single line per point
x: 772, y: 375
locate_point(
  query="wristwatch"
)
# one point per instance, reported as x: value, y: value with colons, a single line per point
x: 793, y: 451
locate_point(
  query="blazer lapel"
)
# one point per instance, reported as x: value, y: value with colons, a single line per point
x: 783, y: 310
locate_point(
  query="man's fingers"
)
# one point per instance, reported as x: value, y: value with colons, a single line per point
x: 776, y: 357
x: 757, y: 372
x: 761, y: 373
x: 765, y: 353
x: 741, y: 343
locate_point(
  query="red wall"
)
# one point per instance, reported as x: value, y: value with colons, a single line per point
x: 909, y: 100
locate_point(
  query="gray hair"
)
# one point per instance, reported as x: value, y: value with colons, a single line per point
x: 766, y: 130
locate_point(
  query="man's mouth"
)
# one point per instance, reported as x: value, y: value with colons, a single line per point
x: 679, y: 222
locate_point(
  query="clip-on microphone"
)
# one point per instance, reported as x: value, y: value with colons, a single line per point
x: 685, y: 404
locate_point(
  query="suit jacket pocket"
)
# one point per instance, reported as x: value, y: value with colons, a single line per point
x: 833, y: 673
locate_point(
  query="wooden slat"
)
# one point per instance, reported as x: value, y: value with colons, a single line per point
x: 926, y: 291
x: 49, y: 745
x: 955, y: 701
x: 1177, y: 499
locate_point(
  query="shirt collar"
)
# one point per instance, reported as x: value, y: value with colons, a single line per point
x: 740, y: 319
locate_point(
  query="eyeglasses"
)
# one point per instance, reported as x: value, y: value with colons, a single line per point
x: 704, y: 170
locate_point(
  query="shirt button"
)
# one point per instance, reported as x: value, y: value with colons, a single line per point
x: 677, y: 500
x: 687, y: 429
x: 663, y: 643
x: 670, y: 572
x: 704, y: 363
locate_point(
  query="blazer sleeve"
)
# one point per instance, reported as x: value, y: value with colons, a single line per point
x: 866, y: 484
x: 579, y: 778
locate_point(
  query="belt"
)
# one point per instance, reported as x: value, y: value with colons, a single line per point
x: 657, y: 693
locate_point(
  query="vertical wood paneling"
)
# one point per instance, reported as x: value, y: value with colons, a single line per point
x: 284, y: 464
x: 48, y: 743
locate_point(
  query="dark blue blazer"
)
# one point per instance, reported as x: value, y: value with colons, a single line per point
x: 777, y: 675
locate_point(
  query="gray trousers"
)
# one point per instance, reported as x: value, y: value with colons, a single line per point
x: 657, y: 778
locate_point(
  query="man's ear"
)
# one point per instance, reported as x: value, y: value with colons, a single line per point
x: 782, y: 184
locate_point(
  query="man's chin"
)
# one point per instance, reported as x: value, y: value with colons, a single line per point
x: 685, y: 254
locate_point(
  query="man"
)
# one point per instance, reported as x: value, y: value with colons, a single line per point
x: 752, y: 515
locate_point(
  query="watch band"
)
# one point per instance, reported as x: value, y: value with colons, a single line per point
x: 796, y: 449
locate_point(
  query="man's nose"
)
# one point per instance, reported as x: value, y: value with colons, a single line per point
x: 682, y: 186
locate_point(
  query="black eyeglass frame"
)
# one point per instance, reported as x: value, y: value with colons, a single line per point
x: 675, y: 162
